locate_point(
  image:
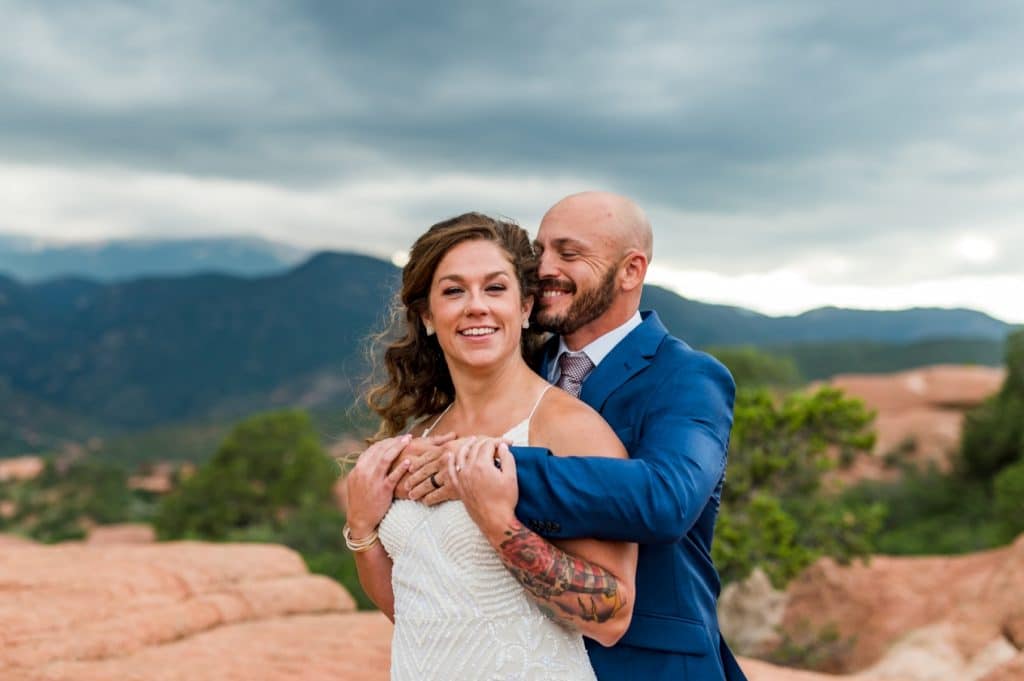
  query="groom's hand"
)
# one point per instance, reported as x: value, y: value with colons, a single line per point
x: 484, y: 473
x: 425, y: 455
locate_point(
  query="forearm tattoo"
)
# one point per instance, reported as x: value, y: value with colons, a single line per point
x: 567, y: 588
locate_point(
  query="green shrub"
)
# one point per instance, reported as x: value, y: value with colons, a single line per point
x: 774, y: 513
x: 993, y: 436
x: 268, y: 482
x: 268, y: 465
x: 66, y: 499
x: 1009, y: 498
x: 931, y: 513
x: 752, y: 368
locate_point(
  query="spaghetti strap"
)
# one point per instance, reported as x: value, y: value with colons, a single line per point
x: 536, y: 404
x: 438, y: 419
x: 526, y: 420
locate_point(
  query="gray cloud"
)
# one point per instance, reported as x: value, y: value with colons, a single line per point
x: 759, y: 135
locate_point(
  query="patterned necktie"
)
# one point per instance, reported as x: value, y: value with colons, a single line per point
x: 575, y: 367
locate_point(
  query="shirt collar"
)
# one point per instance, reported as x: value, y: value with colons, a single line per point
x: 599, y: 348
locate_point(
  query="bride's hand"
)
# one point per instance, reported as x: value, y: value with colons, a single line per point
x: 484, y: 473
x: 427, y: 478
x: 370, y: 486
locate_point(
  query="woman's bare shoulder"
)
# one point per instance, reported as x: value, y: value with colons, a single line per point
x: 567, y: 426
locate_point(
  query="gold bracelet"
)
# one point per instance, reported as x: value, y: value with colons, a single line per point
x: 359, y: 545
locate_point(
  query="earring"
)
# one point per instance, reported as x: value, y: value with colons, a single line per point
x: 429, y: 327
x: 526, y: 323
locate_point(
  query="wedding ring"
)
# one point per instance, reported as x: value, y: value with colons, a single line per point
x: 434, y: 482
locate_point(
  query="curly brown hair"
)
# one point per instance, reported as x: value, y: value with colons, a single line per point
x: 417, y: 381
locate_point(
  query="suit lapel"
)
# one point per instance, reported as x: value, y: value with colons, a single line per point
x: 550, y: 350
x: 626, y: 359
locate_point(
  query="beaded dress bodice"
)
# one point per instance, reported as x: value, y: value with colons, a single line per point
x: 459, y: 613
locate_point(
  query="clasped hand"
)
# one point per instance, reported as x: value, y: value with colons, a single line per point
x: 483, y: 473
x: 478, y: 470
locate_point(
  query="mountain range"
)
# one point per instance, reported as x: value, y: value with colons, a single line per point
x: 79, y: 355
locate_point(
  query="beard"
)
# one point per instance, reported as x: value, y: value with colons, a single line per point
x: 588, y: 306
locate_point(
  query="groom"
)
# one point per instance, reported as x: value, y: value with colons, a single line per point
x: 672, y: 408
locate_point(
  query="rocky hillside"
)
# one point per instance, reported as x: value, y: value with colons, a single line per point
x: 167, y: 612
x: 921, y: 619
x: 920, y: 414
x: 177, y: 611
x: 81, y: 358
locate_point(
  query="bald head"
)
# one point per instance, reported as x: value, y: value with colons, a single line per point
x: 617, y: 217
x: 594, y: 248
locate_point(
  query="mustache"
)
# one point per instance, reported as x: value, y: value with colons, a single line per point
x: 554, y: 282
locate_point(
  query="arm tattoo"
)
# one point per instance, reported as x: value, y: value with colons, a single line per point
x: 567, y: 588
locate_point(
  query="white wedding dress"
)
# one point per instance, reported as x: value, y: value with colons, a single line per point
x: 459, y: 613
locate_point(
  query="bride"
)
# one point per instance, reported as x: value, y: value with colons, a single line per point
x: 472, y: 592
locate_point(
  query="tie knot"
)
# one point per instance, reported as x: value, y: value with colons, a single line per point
x: 574, y: 366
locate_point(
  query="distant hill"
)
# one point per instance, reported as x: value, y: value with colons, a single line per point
x: 703, y: 324
x: 160, y: 350
x: 26, y: 260
x: 822, y: 360
x: 79, y: 356
x: 28, y: 424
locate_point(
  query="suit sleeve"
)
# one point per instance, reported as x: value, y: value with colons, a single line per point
x: 657, y: 494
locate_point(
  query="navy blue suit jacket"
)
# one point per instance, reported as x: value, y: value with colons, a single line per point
x: 672, y: 408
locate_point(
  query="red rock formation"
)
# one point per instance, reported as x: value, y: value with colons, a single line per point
x: 969, y: 605
x: 14, y: 540
x: 940, y: 386
x: 123, y: 533
x: 920, y: 414
x: 756, y: 670
x: 21, y: 468
x: 1011, y: 671
x: 353, y: 647
x: 191, y: 611
x: 79, y: 602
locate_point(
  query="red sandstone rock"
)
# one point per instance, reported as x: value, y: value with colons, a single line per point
x: 974, y: 599
x: 940, y: 386
x: 919, y: 414
x: 14, y: 540
x: 353, y: 647
x: 1013, y: 628
x: 191, y: 612
x: 1011, y: 671
x: 85, y: 602
x: 756, y: 670
x: 123, y: 533
x: 21, y: 468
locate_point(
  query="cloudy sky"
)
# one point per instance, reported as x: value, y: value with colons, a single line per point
x: 790, y: 154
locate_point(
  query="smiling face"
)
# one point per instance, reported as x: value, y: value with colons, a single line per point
x: 593, y: 251
x: 475, y: 305
x: 578, y: 269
